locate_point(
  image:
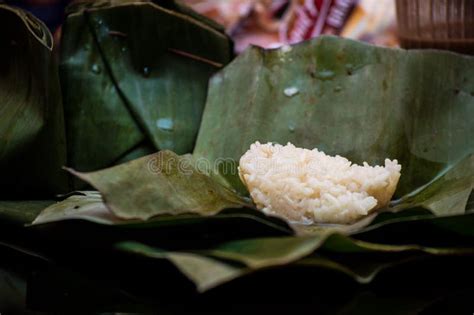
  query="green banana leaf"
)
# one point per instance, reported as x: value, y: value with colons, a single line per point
x: 168, y: 184
x: 421, y: 227
x: 205, y: 272
x: 22, y: 212
x: 239, y: 258
x: 32, y: 138
x: 410, y: 227
x: 236, y: 258
x: 89, y: 206
x: 448, y: 193
x: 359, y: 101
x: 134, y: 77
x: 164, y: 183
x: 435, y: 151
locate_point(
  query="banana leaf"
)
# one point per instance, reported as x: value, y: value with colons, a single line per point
x: 164, y: 183
x: 17, y: 212
x: 86, y: 210
x: 421, y: 227
x: 89, y: 206
x: 157, y: 185
x: 205, y: 272
x: 168, y: 184
x: 240, y: 258
x: 435, y: 151
x: 134, y: 76
x: 32, y: 137
x: 359, y: 101
x: 445, y: 186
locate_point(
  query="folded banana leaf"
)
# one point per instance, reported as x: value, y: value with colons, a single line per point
x: 168, y: 184
x: 210, y: 259
x: 227, y: 261
x: 342, y: 106
x: 362, y: 102
x: 216, y: 259
x: 438, y: 173
x: 32, y: 138
x: 134, y: 76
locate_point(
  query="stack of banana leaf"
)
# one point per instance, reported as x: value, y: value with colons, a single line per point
x: 177, y: 225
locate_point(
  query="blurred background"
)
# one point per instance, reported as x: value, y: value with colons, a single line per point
x: 272, y: 23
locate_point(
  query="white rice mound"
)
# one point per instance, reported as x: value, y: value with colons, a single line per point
x: 308, y: 186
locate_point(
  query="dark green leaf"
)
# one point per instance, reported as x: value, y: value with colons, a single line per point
x: 32, y: 139
x: 134, y: 77
x: 344, y: 244
x: 205, y: 272
x: 362, y: 268
x: 415, y: 216
x: 266, y: 252
x: 22, y: 212
x: 260, y: 253
x: 424, y: 229
x: 446, y: 194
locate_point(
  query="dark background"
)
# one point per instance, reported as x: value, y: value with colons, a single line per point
x: 51, y: 12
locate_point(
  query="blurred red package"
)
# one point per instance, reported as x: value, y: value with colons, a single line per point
x: 306, y: 19
x: 273, y: 23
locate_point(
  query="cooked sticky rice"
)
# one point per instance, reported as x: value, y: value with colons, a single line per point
x: 308, y: 186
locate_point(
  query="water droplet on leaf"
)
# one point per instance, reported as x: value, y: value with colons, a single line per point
x: 216, y: 79
x: 291, y: 127
x: 165, y: 124
x: 96, y: 68
x: 291, y: 91
x: 325, y: 74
